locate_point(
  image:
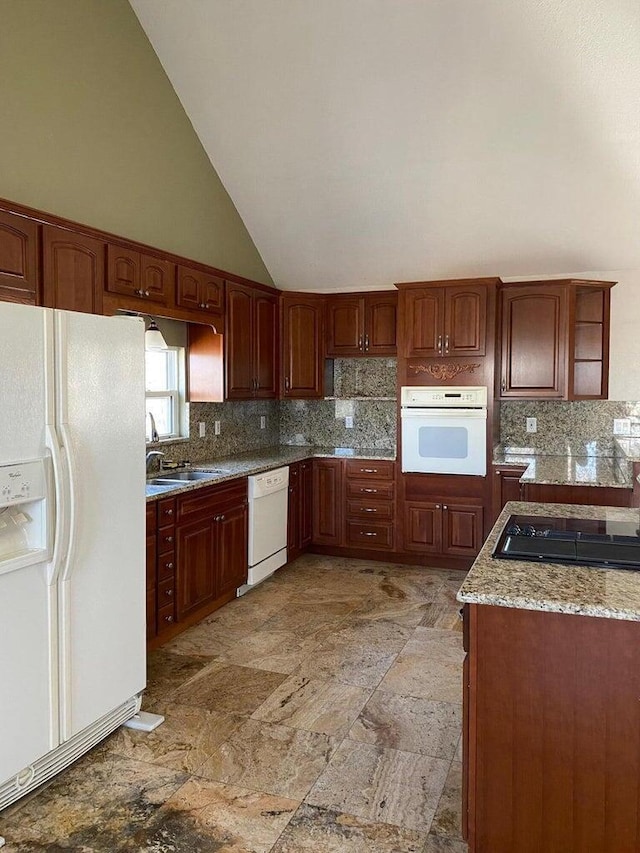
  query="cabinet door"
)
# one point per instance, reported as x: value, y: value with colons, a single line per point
x: 345, y: 326
x: 533, y: 346
x: 461, y: 529
x: 328, y: 502
x: 306, y: 504
x: 157, y: 280
x: 123, y: 271
x: 232, y: 563
x: 465, y: 313
x: 380, y: 320
x: 195, y: 579
x: 302, y: 346
x: 293, y: 513
x: 265, y: 345
x: 506, y: 487
x: 188, y: 289
x: 423, y: 527
x: 423, y: 321
x: 212, y: 292
x: 240, y: 382
x: 73, y: 271
x: 18, y: 259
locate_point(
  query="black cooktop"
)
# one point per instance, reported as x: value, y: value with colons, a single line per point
x: 591, y: 542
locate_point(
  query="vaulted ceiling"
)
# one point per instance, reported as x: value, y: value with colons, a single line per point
x: 366, y: 142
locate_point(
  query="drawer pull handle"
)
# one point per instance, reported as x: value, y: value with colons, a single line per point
x: 364, y: 533
x: 368, y: 509
x: 368, y: 470
x: 370, y: 491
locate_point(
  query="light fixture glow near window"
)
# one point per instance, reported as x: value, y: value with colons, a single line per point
x: 153, y: 337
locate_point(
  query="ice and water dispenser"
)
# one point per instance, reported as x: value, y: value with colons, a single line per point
x: 23, y: 514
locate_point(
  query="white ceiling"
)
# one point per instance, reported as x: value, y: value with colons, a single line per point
x: 366, y: 142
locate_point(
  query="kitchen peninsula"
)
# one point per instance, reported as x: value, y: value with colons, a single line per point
x: 551, y: 690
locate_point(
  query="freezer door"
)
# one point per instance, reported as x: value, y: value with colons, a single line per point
x: 28, y: 653
x: 101, y: 415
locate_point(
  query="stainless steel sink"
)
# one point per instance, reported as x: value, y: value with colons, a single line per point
x: 182, y: 476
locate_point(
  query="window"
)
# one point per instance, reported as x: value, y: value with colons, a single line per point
x: 164, y: 395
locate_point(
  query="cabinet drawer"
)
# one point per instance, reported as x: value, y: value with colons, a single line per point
x: 166, y: 616
x: 367, y: 509
x: 369, y: 534
x: 166, y: 566
x: 166, y: 539
x: 363, y: 468
x: 166, y: 512
x: 204, y: 502
x: 374, y: 489
x: 166, y: 592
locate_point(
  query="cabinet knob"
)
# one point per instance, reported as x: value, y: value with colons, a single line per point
x: 168, y: 593
x: 168, y: 512
x: 168, y: 618
x: 437, y: 506
x: 445, y: 507
x: 137, y: 292
x: 168, y: 538
x: 169, y: 565
x: 146, y: 293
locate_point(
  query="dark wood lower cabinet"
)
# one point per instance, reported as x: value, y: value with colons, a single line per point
x: 300, y: 509
x: 590, y: 495
x: 450, y: 529
x: 201, y: 555
x: 552, y: 732
x: 328, y: 488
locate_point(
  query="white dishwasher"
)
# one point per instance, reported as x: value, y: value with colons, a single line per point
x: 268, y: 499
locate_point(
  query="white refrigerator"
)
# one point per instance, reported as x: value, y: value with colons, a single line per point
x: 72, y: 536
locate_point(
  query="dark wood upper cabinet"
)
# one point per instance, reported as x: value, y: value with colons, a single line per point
x: 554, y: 340
x: 302, y: 348
x: 73, y: 270
x: 360, y: 325
x: 444, y: 319
x: 138, y: 275
x: 18, y: 259
x: 199, y: 290
x: 251, y: 343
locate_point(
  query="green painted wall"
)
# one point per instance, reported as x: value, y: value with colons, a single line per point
x: 91, y: 129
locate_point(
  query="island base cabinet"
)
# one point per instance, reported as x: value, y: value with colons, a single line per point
x: 552, y: 732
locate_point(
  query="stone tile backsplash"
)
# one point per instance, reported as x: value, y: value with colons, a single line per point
x: 322, y: 422
x: 566, y: 427
x: 364, y: 377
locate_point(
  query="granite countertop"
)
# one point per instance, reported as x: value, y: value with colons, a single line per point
x: 255, y: 462
x: 579, y: 469
x: 607, y: 593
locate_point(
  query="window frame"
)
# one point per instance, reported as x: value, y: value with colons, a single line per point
x: 175, y: 394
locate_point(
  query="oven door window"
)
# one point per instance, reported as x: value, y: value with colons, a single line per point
x: 443, y: 442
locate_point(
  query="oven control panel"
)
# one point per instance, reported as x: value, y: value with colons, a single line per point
x: 419, y: 396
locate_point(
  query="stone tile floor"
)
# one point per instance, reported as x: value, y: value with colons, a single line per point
x: 321, y: 712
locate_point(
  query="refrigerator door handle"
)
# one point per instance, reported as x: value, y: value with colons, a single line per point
x: 61, y: 519
x: 72, y: 503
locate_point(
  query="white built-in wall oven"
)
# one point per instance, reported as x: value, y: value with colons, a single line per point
x: 444, y: 429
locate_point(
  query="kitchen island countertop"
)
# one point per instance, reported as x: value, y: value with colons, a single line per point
x: 607, y: 593
x: 255, y: 462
